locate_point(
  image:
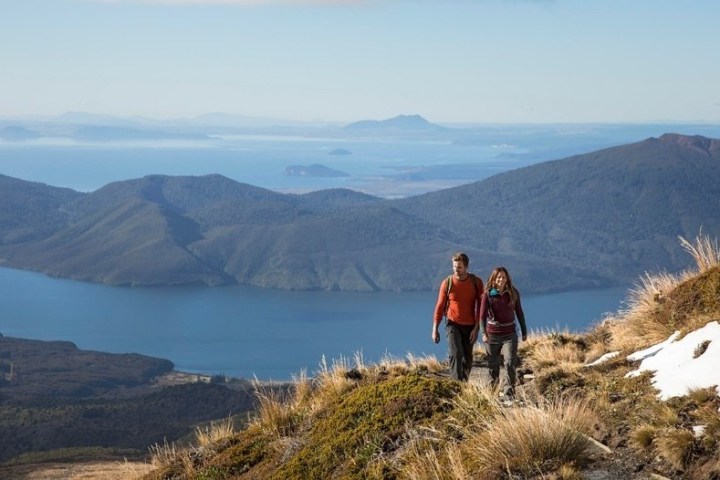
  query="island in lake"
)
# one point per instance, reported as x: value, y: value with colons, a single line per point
x: 314, y: 170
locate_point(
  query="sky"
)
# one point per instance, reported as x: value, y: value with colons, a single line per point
x: 451, y: 61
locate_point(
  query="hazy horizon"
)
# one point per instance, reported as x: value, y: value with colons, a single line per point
x: 461, y: 62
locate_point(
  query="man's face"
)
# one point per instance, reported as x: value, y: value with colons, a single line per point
x: 459, y: 269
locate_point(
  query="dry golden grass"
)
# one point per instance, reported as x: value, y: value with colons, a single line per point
x: 164, y: 455
x: 636, y: 327
x: 214, y: 432
x: 704, y: 251
x: 675, y: 446
x: 393, y: 366
x: 641, y: 438
x: 486, y: 440
x: 474, y: 406
x: 420, y: 458
x: 551, y: 435
x: 302, y: 389
x: 561, y: 349
x: 429, y: 363
x: 275, y: 413
x: 639, y: 324
x: 87, y: 471
x: 662, y: 414
x: 331, y: 382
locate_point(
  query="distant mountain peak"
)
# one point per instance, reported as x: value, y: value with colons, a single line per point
x: 698, y: 143
x: 400, y: 122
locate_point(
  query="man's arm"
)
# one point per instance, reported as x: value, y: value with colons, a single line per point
x: 439, y: 311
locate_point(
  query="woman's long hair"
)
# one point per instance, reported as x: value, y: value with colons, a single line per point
x: 514, y: 294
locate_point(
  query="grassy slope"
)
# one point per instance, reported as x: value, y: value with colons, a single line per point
x: 403, y: 419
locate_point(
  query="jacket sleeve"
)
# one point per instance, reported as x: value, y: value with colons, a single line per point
x: 483, y: 313
x: 520, y: 316
x: 478, y: 300
x: 441, y: 301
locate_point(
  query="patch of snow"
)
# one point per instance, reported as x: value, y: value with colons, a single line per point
x: 676, y: 371
x: 603, y: 359
x: 699, y: 430
x: 650, y: 351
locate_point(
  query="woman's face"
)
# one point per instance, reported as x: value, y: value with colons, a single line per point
x: 500, y: 281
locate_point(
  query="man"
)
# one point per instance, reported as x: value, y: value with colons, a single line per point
x: 459, y: 301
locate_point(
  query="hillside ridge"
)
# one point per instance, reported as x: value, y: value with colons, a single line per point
x: 586, y: 221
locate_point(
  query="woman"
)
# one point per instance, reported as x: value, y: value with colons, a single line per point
x: 499, y: 307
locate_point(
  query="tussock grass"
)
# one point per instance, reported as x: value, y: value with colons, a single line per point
x: 676, y: 447
x: 275, y: 413
x: 164, y: 455
x: 421, y: 460
x: 214, y: 432
x: 636, y: 326
x: 662, y: 303
x: 428, y: 363
x: 302, y: 389
x: 483, y: 440
x: 563, y: 349
x: 532, y: 439
x: 704, y: 251
x: 474, y: 405
x: 641, y: 438
x: 394, y: 366
x: 661, y: 414
x: 332, y: 380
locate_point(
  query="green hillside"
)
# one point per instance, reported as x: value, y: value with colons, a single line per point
x: 593, y: 220
x: 55, y: 397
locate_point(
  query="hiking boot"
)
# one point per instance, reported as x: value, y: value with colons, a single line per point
x: 507, y: 401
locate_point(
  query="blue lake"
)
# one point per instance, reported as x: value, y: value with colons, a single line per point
x: 244, y: 331
x: 383, y: 168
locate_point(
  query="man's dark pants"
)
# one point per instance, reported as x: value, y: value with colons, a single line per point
x: 460, y: 349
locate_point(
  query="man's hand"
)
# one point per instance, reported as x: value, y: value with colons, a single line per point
x: 474, y: 335
x: 435, y: 334
x: 485, y: 337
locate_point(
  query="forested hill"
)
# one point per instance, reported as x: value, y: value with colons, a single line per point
x: 590, y: 220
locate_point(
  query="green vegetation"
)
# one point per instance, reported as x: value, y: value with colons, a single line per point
x: 57, y: 398
x: 367, y: 423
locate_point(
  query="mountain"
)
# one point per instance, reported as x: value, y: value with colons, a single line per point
x: 592, y: 220
x: 31, y: 211
x: 400, y: 123
x: 604, y: 217
x: 15, y: 133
